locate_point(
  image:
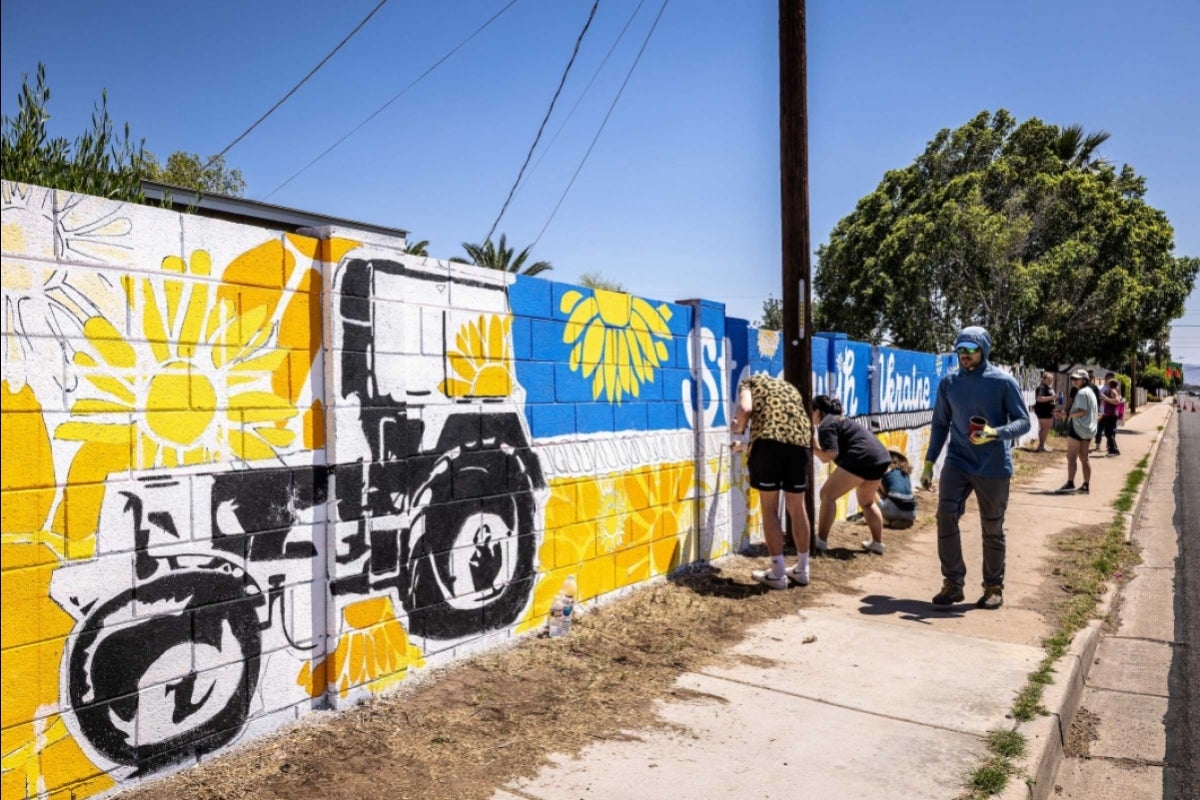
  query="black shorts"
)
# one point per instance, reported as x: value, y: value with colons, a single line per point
x: 1071, y: 434
x: 777, y: 466
x: 868, y: 472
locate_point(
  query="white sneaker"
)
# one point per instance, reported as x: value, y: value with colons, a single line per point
x: 799, y: 576
x: 819, y: 544
x: 872, y: 546
x: 765, y: 577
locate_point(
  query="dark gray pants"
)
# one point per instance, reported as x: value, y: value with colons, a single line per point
x: 992, y: 495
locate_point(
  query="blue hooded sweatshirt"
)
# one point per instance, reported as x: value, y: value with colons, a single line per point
x: 986, y: 392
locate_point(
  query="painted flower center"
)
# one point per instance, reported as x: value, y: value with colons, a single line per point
x: 614, y: 308
x: 180, y: 404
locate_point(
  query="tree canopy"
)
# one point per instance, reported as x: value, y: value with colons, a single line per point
x: 772, y: 314
x: 594, y: 280
x: 190, y: 171
x: 99, y: 162
x: 500, y: 256
x: 1021, y: 228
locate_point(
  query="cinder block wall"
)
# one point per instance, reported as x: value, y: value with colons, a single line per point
x: 247, y: 474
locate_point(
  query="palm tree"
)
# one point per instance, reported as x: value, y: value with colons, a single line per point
x: 501, y: 257
x: 420, y: 248
x: 1075, y: 149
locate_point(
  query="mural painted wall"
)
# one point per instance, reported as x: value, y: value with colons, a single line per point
x: 247, y: 474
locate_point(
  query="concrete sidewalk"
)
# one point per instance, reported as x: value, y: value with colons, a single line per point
x: 872, y: 694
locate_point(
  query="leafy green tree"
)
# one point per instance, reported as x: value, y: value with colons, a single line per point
x: 98, y: 162
x: 500, y: 256
x: 420, y: 248
x: 190, y: 171
x: 772, y: 314
x: 1152, y: 379
x: 594, y: 280
x: 1061, y: 259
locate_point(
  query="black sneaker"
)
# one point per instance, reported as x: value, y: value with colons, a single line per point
x: 1066, y: 488
x: 993, y: 598
x: 950, y: 594
x: 1083, y: 489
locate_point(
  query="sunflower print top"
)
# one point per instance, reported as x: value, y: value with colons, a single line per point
x: 777, y: 411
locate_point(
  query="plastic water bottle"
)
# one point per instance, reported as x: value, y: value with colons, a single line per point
x: 568, y: 603
x: 554, y: 624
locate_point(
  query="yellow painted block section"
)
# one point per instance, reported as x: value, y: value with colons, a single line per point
x: 43, y: 755
x: 30, y: 615
x: 633, y: 565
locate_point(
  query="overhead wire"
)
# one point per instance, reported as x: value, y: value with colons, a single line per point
x: 292, y: 91
x: 545, y: 119
x: 582, y: 95
x: 394, y: 98
x: 604, y: 122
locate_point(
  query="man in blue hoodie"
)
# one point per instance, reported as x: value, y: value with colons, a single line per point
x: 977, y: 461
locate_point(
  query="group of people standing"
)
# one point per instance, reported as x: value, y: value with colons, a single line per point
x: 978, y: 413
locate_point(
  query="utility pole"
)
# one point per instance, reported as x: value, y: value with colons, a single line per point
x: 793, y: 185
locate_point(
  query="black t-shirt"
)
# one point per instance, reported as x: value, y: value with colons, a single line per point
x: 855, y: 449
x: 1043, y: 410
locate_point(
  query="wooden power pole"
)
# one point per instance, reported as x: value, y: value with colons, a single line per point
x: 793, y: 175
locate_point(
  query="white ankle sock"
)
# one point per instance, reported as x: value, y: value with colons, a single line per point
x: 777, y: 566
x: 802, y: 562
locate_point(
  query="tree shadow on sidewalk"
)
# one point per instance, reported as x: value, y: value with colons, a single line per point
x: 707, y: 580
x: 908, y: 609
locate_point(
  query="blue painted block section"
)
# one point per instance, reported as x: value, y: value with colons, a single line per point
x: 547, y: 341
x: 593, y: 417
x: 570, y: 386
x: 664, y: 416
x: 652, y: 390
x: 904, y: 380
x: 530, y: 297
x: 680, y: 322
x: 550, y: 419
x: 849, y: 380
x: 681, y: 420
x: 537, y: 378
x: 682, y: 346
x: 631, y: 417
x: 558, y: 290
x: 522, y: 330
x: 675, y: 383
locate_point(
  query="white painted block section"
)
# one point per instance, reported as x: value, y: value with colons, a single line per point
x: 27, y: 213
x: 109, y: 233
x: 158, y: 701
x: 388, y: 329
x: 81, y: 587
x: 434, y: 332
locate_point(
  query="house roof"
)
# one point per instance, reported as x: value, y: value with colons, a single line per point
x: 239, y: 209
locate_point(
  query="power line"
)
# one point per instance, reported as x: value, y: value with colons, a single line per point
x: 604, y: 122
x: 282, y: 100
x: 395, y: 97
x: 571, y: 113
x: 545, y: 119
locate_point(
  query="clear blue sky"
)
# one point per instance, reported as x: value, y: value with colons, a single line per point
x: 680, y: 197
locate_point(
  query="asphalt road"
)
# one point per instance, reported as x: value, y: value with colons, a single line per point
x: 1183, y: 711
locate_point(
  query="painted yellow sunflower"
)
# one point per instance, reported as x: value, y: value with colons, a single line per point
x: 375, y: 650
x: 197, y: 389
x: 482, y: 360
x: 618, y: 340
x: 612, y: 531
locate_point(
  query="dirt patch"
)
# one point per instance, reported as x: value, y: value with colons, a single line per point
x: 465, y: 731
x: 1081, y: 734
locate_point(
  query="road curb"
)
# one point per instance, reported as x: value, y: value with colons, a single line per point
x: 1047, y: 735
